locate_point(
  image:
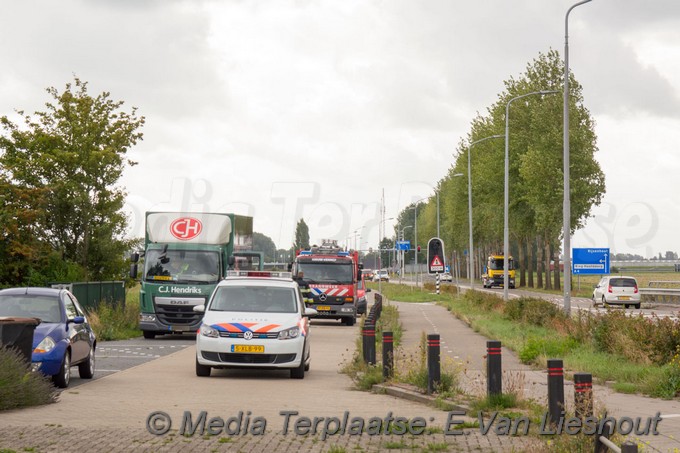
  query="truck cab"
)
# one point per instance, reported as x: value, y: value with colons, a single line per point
x: 186, y: 254
x: 494, y: 273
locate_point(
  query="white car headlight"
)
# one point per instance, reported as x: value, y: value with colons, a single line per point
x: 45, y: 346
x: 208, y: 331
x: 289, y: 334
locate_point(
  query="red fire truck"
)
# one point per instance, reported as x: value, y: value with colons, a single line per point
x: 332, y: 275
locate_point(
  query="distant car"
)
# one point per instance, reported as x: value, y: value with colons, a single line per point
x: 63, y: 338
x: 255, y: 319
x: 368, y: 274
x: 445, y: 277
x: 381, y: 275
x: 617, y: 290
x: 362, y: 303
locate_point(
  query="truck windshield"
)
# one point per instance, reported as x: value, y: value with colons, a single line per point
x: 182, y: 266
x: 326, y: 272
x: 497, y: 264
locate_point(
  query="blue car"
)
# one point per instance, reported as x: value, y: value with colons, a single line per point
x: 62, y: 339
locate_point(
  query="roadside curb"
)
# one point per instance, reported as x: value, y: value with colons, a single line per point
x: 415, y: 396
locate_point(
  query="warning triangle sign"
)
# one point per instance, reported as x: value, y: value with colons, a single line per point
x: 436, y: 262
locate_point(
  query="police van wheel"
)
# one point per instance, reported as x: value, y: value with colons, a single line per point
x: 202, y: 370
x: 149, y: 335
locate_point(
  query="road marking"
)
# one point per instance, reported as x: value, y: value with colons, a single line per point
x: 125, y: 356
x: 670, y: 416
x: 108, y: 371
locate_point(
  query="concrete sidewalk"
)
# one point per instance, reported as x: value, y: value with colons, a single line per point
x: 461, y: 343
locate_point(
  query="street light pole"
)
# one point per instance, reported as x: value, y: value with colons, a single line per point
x: 506, y: 198
x: 471, y: 254
x: 402, y: 254
x: 566, y: 211
x: 438, y: 214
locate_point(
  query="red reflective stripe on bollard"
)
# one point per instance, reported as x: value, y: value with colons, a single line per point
x: 555, y: 371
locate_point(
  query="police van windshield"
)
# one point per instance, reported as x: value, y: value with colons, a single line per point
x: 182, y: 266
x: 254, y: 299
x: 340, y: 273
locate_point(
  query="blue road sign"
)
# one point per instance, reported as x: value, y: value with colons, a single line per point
x: 447, y: 268
x: 403, y: 245
x: 590, y: 261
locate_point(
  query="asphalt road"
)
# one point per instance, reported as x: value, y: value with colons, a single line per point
x: 114, y: 356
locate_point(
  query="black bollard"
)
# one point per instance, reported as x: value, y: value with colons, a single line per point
x: 369, y: 343
x: 583, y: 395
x: 555, y: 390
x: 494, y: 372
x: 437, y: 283
x: 433, y: 365
x: 387, y: 352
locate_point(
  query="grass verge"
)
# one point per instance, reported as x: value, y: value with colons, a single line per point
x: 117, y: 322
x: 537, y: 331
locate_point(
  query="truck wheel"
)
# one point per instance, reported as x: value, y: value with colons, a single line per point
x: 202, y: 370
x: 349, y: 321
x: 149, y: 335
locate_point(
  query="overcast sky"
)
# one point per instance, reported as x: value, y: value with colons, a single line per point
x: 288, y: 109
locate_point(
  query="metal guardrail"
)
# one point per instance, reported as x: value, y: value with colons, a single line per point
x: 663, y: 289
x: 603, y: 444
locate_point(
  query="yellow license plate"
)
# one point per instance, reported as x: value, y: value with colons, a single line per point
x: 323, y: 308
x: 248, y: 348
x: 624, y: 297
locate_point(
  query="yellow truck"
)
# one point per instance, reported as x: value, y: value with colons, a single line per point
x: 493, y: 272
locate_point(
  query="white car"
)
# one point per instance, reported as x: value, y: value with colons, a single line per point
x: 381, y: 275
x: 445, y: 277
x: 254, y: 319
x: 617, y: 290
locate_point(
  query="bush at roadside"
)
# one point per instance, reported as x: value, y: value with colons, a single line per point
x: 19, y: 387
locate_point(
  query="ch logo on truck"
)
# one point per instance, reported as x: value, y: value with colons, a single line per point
x: 186, y: 228
x: 323, y: 297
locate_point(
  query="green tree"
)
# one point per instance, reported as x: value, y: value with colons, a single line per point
x: 264, y: 244
x: 536, y: 170
x: 75, y: 153
x: 301, y: 235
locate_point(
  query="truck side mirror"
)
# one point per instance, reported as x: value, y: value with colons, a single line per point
x: 290, y: 267
x: 134, y: 257
x: 231, y: 261
x: 361, y: 265
x: 133, y: 271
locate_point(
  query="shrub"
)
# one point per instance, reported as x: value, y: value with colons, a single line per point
x: 115, y: 321
x: 535, y: 348
x: 537, y: 312
x: 19, y: 387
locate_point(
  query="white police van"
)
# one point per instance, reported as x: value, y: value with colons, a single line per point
x: 254, y: 319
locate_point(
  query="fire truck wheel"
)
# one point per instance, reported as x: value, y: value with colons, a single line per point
x: 349, y: 321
